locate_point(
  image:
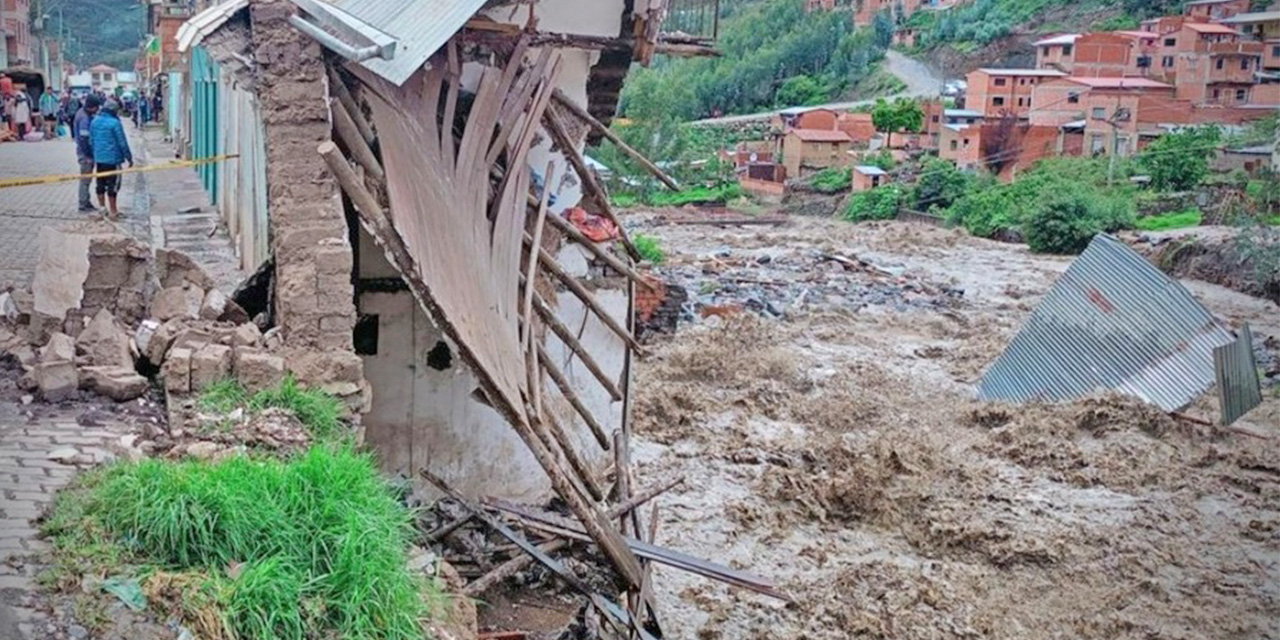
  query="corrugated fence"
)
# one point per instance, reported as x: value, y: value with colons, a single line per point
x: 1237, y: 374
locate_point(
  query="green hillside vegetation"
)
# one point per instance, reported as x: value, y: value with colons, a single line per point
x: 775, y: 54
x: 106, y: 31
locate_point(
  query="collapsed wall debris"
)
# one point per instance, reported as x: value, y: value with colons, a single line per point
x: 1113, y: 321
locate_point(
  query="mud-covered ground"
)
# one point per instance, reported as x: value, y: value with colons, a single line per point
x: 837, y: 450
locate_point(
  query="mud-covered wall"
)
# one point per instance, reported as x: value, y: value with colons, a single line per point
x: 314, y: 300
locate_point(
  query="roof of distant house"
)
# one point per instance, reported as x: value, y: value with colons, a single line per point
x: 795, y: 111
x: 1196, y: 2
x: 868, y: 170
x: 1120, y: 83
x: 1151, y: 35
x: 1260, y: 150
x: 1210, y: 27
x: 1066, y: 38
x: 1251, y: 18
x: 961, y: 113
x: 1023, y: 72
x: 102, y: 67
x: 958, y: 127
x: 821, y: 135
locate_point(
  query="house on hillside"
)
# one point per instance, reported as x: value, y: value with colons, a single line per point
x: 1057, y: 52
x: 1261, y: 27
x: 1251, y: 160
x: 962, y: 145
x: 1215, y: 9
x: 867, y: 177
x: 804, y: 118
x: 998, y: 93
x: 814, y: 149
x: 104, y: 77
x: 859, y: 127
x: 1105, y: 110
x: 404, y: 298
x: 1214, y: 65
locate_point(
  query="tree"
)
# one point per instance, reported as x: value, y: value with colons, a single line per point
x: 883, y: 27
x: 940, y: 184
x: 1179, y: 161
x: 1065, y: 220
x: 800, y: 90
x: 880, y: 203
x: 902, y: 114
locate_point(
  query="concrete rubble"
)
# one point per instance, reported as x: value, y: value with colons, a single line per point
x: 103, y: 314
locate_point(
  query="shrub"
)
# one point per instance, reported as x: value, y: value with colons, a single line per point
x: 1179, y: 161
x: 940, y: 184
x: 1180, y: 220
x: 1064, y: 221
x: 832, y: 180
x: 649, y: 248
x: 880, y: 203
x: 312, y: 547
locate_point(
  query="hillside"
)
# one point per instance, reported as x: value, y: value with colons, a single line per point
x: 100, y: 30
x: 775, y: 54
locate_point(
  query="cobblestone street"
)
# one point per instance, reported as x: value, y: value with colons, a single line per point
x: 25, y: 210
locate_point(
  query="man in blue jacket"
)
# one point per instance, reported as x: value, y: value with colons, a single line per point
x: 110, y: 151
x: 84, y: 147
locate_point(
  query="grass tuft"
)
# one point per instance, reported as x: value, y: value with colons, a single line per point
x: 649, y: 247
x: 1180, y: 220
x: 319, y: 411
x: 223, y: 396
x: 311, y: 547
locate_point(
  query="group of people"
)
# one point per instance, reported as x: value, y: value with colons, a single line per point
x: 102, y: 150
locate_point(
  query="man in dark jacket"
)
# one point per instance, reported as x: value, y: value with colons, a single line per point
x: 110, y: 152
x: 84, y: 146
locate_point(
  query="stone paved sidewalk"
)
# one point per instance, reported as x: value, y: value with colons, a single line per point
x: 41, y: 450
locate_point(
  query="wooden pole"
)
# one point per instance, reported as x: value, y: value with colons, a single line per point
x: 549, y: 262
x: 355, y: 143
x: 614, y: 263
x: 608, y: 133
x: 508, y: 569
x: 376, y: 221
x: 580, y: 466
x: 549, y: 318
x: 343, y: 93
x: 567, y: 391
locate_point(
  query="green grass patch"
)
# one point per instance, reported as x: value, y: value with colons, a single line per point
x: 310, y: 547
x: 650, y: 249
x: 625, y: 200
x: 695, y: 195
x: 1165, y: 222
x: 832, y: 180
x: 319, y: 411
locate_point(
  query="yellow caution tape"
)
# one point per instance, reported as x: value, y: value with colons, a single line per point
x: 176, y: 164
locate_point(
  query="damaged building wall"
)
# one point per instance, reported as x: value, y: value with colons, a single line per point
x: 314, y: 302
x: 425, y: 416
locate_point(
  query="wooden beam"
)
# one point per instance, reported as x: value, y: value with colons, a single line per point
x: 569, y: 394
x: 355, y: 143
x: 590, y: 185
x: 576, y: 462
x: 343, y: 93
x: 548, y: 262
x: 549, y: 318
x: 577, y: 110
x: 614, y: 263
x: 509, y: 568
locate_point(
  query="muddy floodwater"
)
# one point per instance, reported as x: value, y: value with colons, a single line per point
x: 830, y: 441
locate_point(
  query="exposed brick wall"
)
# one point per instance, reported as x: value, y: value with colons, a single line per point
x: 658, y: 309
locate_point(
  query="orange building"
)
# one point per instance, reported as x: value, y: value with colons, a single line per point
x: 1000, y: 92
x: 859, y: 128
x: 15, y: 30
x: 804, y: 118
x: 867, y: 177
x: 819, y: 5
x: 1215, y: 66
x: 1215, y: 9
x: 962, y: 144
x: 1057, y: 52
x: 1105, y: 110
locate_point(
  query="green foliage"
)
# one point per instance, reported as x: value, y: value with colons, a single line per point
x: 1064, y: 221
x: 106, y: 31
x: 988, y: 209
x: 765, y: 45
x: 882, y: 25
x: 882, y: 158
x: 801, y: 90
x: 720, y: 193
x: 970, y: 26
x: 832, y: 180
x: 940, y: 185
x: 306, y: 548
x: 903, y: 114
x: 1179, y: 161
x: 880, y: 203
x: 319, y: 411
x: 1257, y: 132
x: 1264, y: 192
x: 1180, y: 220
x: 1122, y: 22
x: 649, y: 247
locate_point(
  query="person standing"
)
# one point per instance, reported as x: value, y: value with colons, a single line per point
x: 80, y: 132
x: 49, y: 113
x: 110, y: 151
x: 22, y: 114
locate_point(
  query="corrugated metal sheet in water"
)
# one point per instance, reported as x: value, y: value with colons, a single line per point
x: 1239, y: 389
x: 421, y: 28
x: 1112, y: 321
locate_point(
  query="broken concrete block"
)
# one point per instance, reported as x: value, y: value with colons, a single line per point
x: 246, y: 335
x: 272, y: 339
x: 256, y: 370
x: 177, y: 370
x: 61, y: 269
x: 142, y: 337
x: 175, y: 268
x: 56, y: 374
x: 209, y: 365
x: 234, y: 313
x: 214, y: 305
x: 177, y: 302
x: 104, y: 342
x: 118, y: 383
x: 203, y: 450
x: 90, y: 266
x: 8, y: 308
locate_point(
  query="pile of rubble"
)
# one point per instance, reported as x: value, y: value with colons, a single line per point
x: 102, y: 313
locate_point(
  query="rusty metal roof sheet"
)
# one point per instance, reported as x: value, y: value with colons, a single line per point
x: 1112, y: 321
x: 1239, y: 389
x: 420, y: 28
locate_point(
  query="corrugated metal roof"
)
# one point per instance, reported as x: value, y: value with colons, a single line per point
x: 196, y: 29
x: 1112, y: 321
x: 421, y: 28
x: 1237, y: 374
x: 869, y: 170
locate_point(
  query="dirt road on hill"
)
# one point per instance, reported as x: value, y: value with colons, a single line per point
x: 830, y: 442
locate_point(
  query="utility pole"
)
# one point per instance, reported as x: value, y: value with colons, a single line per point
x: 1121, y: 115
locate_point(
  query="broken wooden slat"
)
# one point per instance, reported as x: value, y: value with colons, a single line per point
x: 590, y: 185
x: 614, y: 263
x: 608, y: 133
x: 567, y: 391
x: 343, y: 93
x: 617, y: 617
x: 622, y: 478
x: 507, y: 569
x: 643, y: 496
x: 355, y: 142
x: 548, y: 261
x: 579, y: 466
x: 560, y: 526
x: 548, y: 316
